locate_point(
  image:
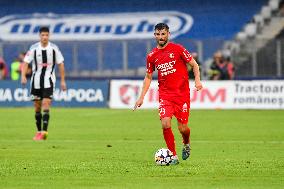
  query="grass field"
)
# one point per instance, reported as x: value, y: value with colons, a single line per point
x: 102, y: 148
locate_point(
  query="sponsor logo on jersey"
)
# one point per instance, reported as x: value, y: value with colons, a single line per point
x: 45, y: 64
x: 93, y: 26
x: 167, y: 68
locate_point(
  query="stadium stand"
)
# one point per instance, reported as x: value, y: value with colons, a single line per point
x: 214, y: 24
x: 257, y: 48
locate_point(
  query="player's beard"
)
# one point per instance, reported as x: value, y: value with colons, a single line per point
x: 162, y: 44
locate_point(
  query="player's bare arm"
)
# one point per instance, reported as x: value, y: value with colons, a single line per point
x: 24, y: 72
x: 195, y: 67
x: 62, y: 76
x: 146, y: 85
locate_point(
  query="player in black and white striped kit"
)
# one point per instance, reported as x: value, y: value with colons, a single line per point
x: 43, y: 55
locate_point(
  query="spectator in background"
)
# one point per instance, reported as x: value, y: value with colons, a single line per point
x: 21, y: 59
x: 214, y: 72
x: 227, y: 70
x: 3, y: 69
x: 230, y: 69
x: 190, y: 70
x: 15, y: 70
x: 222, y: 67
x: 17, y: 66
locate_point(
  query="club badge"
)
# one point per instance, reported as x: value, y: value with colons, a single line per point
x: 171, y: 55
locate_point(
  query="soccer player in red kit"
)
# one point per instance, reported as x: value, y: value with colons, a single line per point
x: 171, y: 61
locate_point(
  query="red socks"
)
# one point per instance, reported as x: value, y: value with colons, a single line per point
x: 185, y: 135
x: 170, y: 139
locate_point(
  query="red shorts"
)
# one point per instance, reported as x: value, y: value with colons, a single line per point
x: 179, y: 110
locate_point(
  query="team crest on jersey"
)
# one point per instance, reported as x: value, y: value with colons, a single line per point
x: 171, y: 55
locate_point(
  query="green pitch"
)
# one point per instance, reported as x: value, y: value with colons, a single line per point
x: 102, y: 148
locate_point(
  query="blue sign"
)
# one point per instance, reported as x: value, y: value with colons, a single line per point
x: 78, y: 94
x: 93, y: 26
x: 123, y: 19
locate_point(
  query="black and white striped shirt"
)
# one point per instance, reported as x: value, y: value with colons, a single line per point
x: 43, y: 61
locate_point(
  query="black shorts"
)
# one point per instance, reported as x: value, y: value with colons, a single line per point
x: 39, y: 94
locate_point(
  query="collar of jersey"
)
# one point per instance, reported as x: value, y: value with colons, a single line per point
x: 44, y: 48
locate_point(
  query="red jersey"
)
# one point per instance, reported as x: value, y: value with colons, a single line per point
x: 172, y: 71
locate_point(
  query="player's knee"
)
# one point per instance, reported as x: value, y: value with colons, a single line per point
x: 46, y: 104
x: 166, y: 124
x: 182, y: 127
x: 37, y: 108
x: 37, y: 105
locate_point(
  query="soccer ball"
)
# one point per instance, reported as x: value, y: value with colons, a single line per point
x: 163, y: 157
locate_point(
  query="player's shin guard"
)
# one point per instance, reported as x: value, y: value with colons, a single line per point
x: 38, y: 118
x: 170, y: 139
x: 185, y: 132
x: 45, y: 119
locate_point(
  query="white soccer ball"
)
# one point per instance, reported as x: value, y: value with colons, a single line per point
x: 163, y: 156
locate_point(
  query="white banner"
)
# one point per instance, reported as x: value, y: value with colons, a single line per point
x: 93, y: 26
x: 215, y: 94
x: 124, y: 93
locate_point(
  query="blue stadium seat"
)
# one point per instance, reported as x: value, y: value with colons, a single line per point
x: 88, y: 56
x: 66, y: 51
x: 137, y: 52
x: 219, y: 19
x: 11, y: 52
x: 112, y: 57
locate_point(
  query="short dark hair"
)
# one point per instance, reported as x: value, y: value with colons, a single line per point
x: 44, y: 29
x: 162, y: 26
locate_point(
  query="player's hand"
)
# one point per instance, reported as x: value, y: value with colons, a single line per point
x: 24, y: 80
x: 198, y: 86
x: 63, y: 86
x: 138, y: 103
